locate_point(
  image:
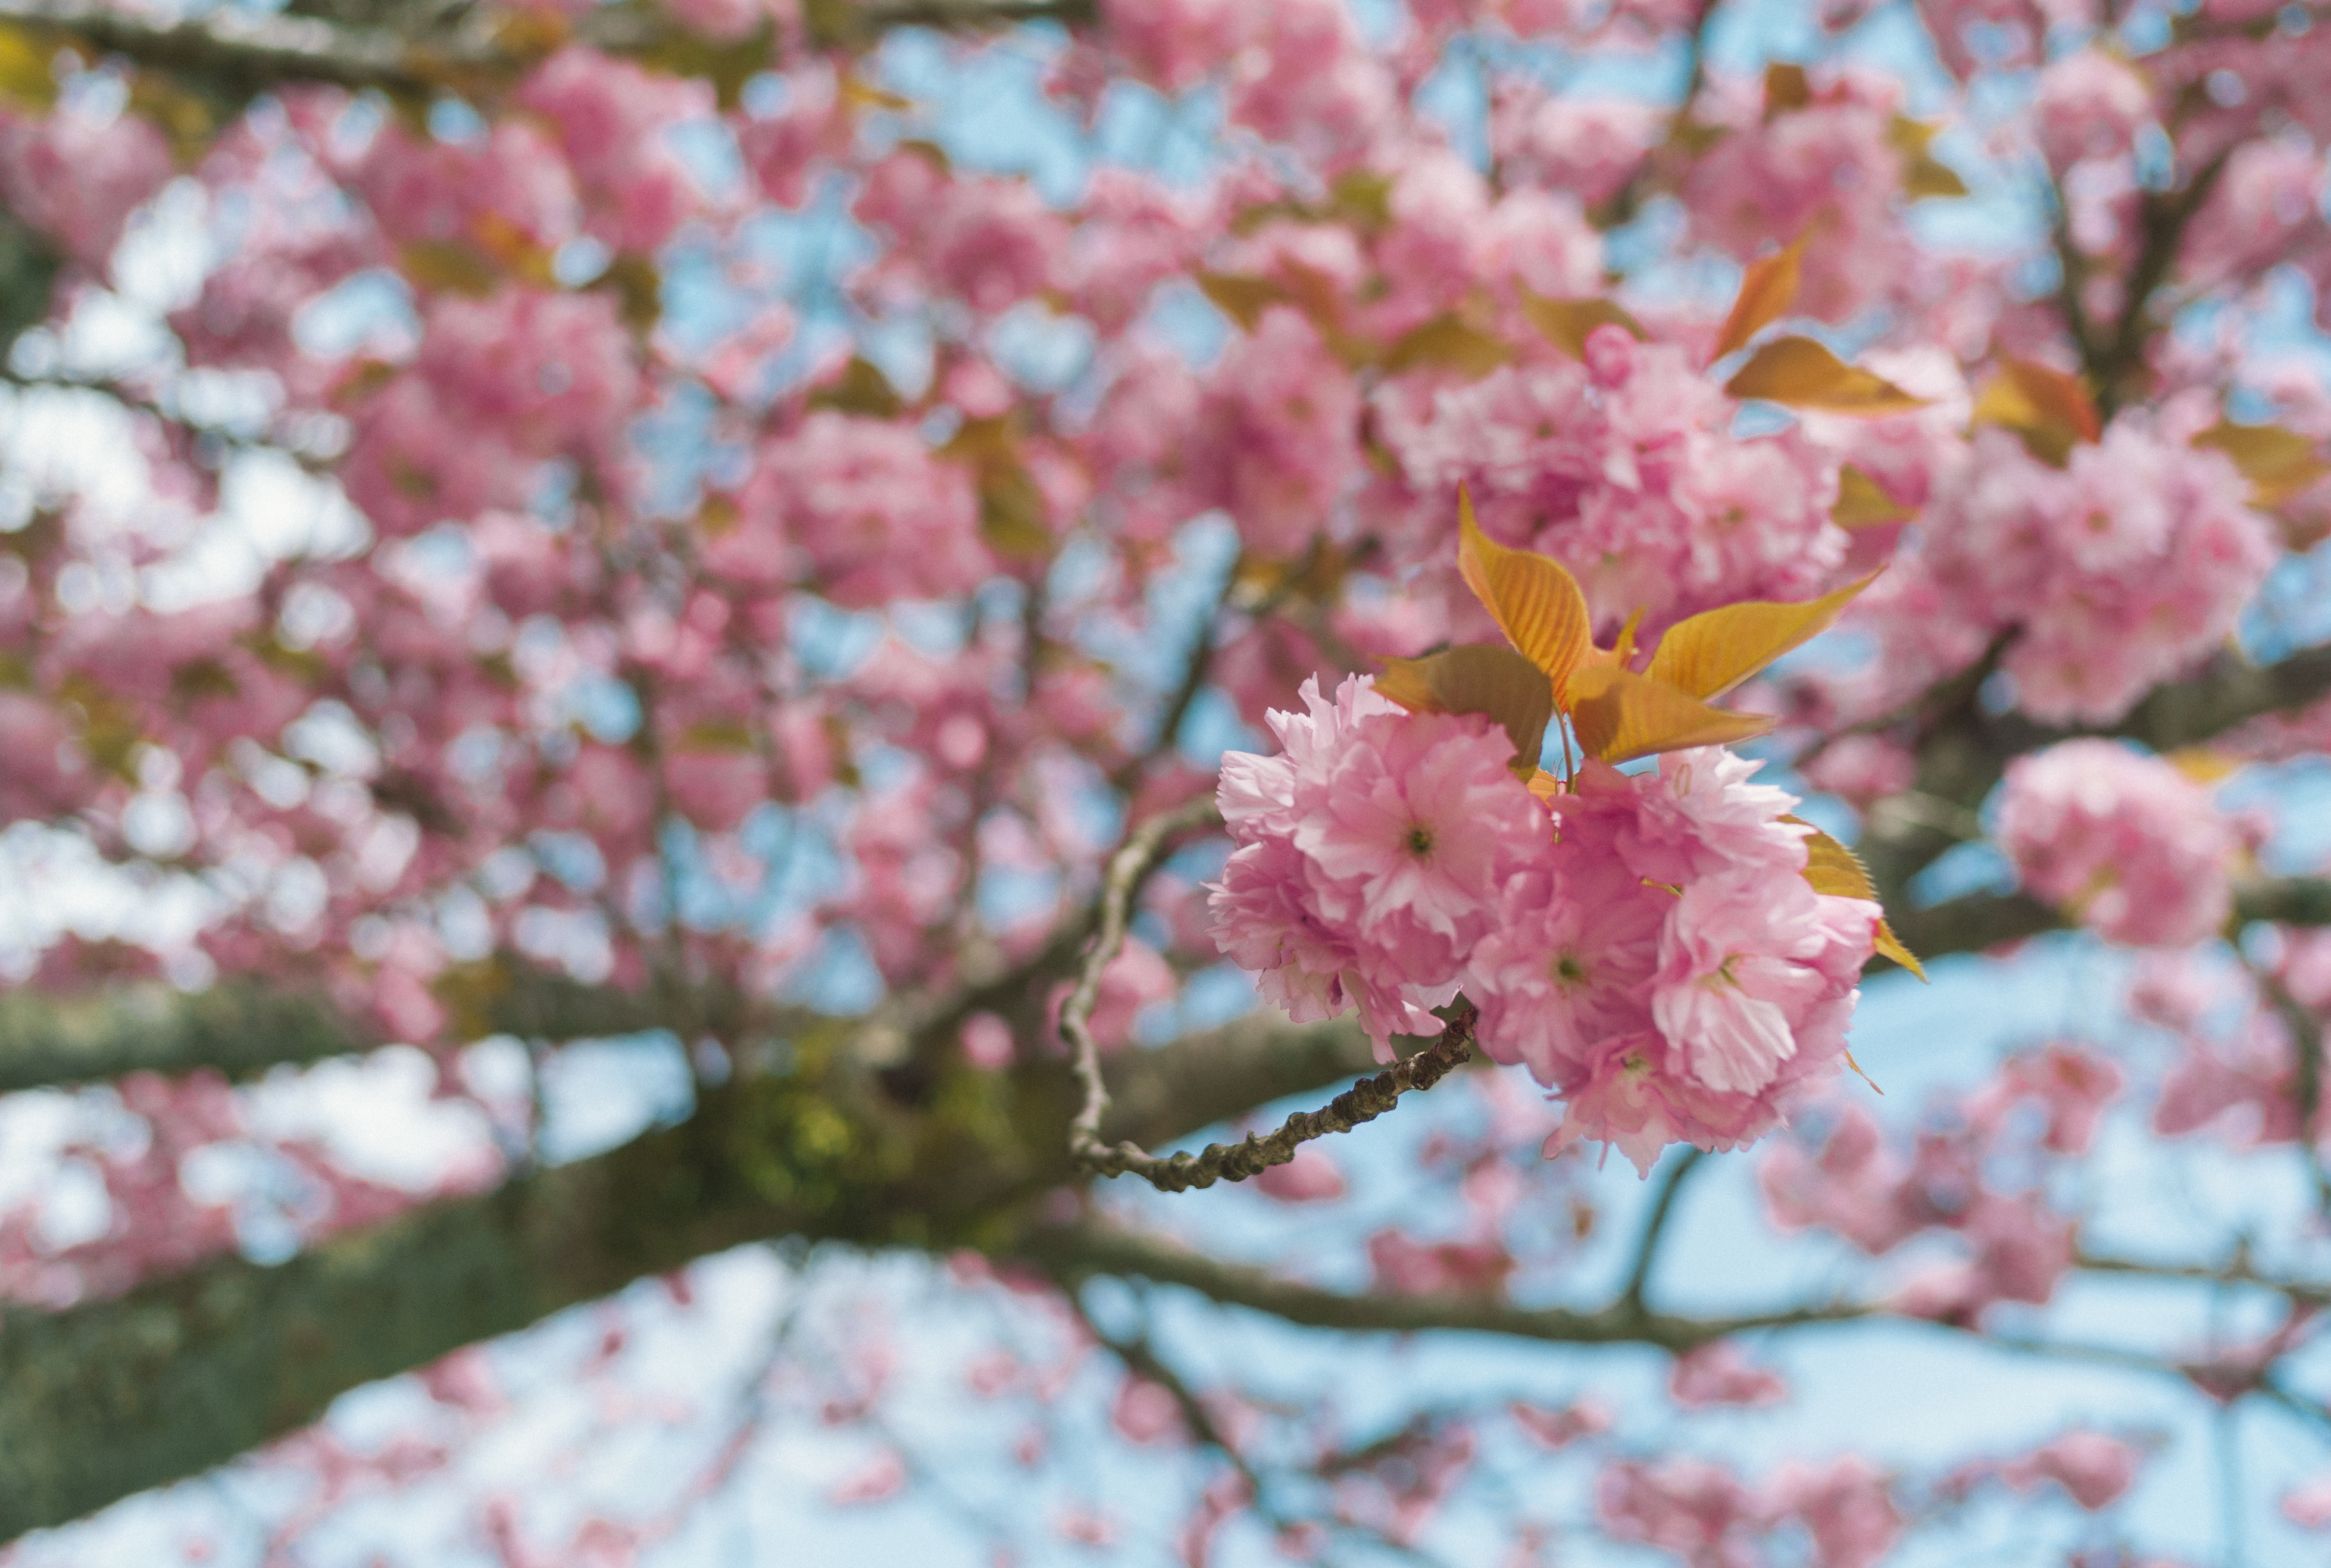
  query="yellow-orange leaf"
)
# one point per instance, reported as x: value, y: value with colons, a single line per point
x: 1802, y: 374
x: 2050, y: 409
x: 1620, y: 716
x: 1785, y: 89
x: 1534, y: 601
x: 1923, y: 174
x: 1832, y: 868
x: 1863, y: 502
x: 1242, y: 299
x: 1717, y: 650
x: 1446, y: 343
x: 2202, y: 764
x: 2278, y: 462
x: 1483, y: 679
x: 1567, y: 323
x: 1767, y: 290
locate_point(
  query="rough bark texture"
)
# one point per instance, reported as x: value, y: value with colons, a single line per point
x: 112, y: 1397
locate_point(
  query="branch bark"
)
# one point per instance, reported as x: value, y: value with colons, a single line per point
x: 110, y: 1397
x: 242, y: 53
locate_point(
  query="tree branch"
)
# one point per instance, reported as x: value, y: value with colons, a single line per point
x: 1103, y: 1248
x: 243, y: 52
x: 1639, y: 1278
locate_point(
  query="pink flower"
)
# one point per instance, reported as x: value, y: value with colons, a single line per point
x: 1698, y: 1511
x: 1718, y: 1373
x: 1667, y: 970
x: 78, y: 176
x: 1371, y: 855
x: 1274, y: 443
x: 2087, y: 105
x: 1310, y: 1177
x: 1847, y: 1507
x: 1556, y: 1428
x: 2093, y: 1467
x: 2123, y: 841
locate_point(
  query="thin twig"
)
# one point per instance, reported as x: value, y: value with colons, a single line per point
x: 1662, y: 1206
x: 1365, y: 1101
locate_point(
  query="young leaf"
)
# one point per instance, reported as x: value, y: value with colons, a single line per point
x: 1242, y: 299
x: 1863, y: 502
x: 1567, y: 323
x: 1802, y: 374
x: 1534, y: 600
x: 1717, y: 650
x: 2278, y: 462
x: 1620, y: 716
x: 2050, y: 409
x: 1446, y: 343
x: 1785, y: 89
x: 1834, y: 870
x: 1483, y: 679
x: 1767, y: 290
x: 1923, y: 174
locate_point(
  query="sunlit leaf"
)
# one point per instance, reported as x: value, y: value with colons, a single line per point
x: 1242, y: 298
x: 1923, y: 174
x: 860, y: 388
x: 1767, y: 290
x: 27, y: 75
x: 2204, y: 764
x: 1802, y: 374
x: 2280, y: 463
x: 1832, y: 868
x: 2049, y: 409
x: 1863, y: 502
x: 448, y: 266
x: 1484, y: 679
x: 1785, y: 89
x: 1568, y: 323
x: 638, y: 287
x: 1717, y: 650
x: 1534, y: 601
x: 1619, y: 715
x: 1446, y: 343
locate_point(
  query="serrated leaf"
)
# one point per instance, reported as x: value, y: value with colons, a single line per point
x: 2280, y: 463
x: 1785, y: 89
x: 1446, y: 343
x: 861, y: 388
x: 1242, y: 298
x: 1711, y: 653
x: 2049, y: 409
x: 1568, y: 323
x: 1832, y: 868
x: 1619, y: 715
x: 1863, y: 502
x: 1802, y: 374
x: 1534, y: 599
x: 1767, y: 288
x: 1483, y: 679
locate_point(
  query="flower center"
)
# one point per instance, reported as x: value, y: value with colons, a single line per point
x: 1419, y: 840
x: 1568, y: 972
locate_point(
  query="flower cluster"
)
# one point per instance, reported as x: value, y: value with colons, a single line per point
x: 1372, y: 854
x: 1649, y: 948
x: 2122, y: 840
x: 1666, y: 968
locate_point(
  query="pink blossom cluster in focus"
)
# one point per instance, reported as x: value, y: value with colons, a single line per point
x: 1649, y: 947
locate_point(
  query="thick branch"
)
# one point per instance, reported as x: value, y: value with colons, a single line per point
x: 1975, y: 921
x: 1966, y: 751
x: 112, y: 1396
x: 243, y: 52
x: 241, y: 1027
